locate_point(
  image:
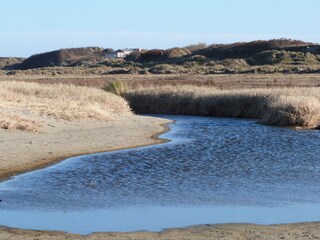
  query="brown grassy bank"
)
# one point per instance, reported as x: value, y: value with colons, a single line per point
x: 25, y: 106
x: 287, y: 107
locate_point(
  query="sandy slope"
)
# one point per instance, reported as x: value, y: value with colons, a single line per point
x: 22, y: 151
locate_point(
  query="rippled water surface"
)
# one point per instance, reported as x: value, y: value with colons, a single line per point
x: 214, y: 170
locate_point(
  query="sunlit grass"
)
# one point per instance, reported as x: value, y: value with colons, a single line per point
x: 299, y: 107
x: 23, y: 102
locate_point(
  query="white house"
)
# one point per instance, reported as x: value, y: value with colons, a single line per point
x: 121, y: 53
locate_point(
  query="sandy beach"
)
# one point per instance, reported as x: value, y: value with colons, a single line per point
x: 24, y: 151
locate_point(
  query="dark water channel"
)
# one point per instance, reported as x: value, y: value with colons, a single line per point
x: 214, y: 170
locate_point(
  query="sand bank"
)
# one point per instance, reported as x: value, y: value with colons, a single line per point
x: 23, y: 151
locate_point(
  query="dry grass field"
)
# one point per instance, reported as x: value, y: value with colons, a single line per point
x: 24, y: 105
x: 221, y: 81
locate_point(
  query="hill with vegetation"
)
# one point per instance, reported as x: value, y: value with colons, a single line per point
x: 272, y: 56
x: 64, y: 57
x: 8, y: 63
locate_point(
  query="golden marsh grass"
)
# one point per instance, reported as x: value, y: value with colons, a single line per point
x: 22, y: 103
x: 298, y: 107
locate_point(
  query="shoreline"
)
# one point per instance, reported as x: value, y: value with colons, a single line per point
x: 148, y: 134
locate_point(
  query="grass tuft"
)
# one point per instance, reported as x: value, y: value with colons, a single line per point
x: 116, y: 87
x: 12, y: 122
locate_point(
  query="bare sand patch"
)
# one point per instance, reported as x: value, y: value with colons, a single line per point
x: 22, y: 151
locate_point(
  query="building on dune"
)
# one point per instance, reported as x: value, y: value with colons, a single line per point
x: 121, y: 53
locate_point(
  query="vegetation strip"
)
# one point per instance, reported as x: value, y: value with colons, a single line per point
x: 294, y: 107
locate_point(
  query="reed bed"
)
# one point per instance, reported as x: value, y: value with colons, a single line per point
x: 22, y: 103
x: 286, y: 107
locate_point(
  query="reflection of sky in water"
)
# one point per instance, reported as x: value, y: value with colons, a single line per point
x: 212, y: 163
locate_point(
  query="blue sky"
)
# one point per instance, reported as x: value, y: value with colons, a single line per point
x: 33, y: 26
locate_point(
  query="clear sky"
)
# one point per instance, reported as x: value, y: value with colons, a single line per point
x: 33, y: 26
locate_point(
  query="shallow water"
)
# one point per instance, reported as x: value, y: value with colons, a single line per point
x: 214, y: 170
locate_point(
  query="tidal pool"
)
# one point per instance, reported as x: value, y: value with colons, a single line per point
x: 214, y: 170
